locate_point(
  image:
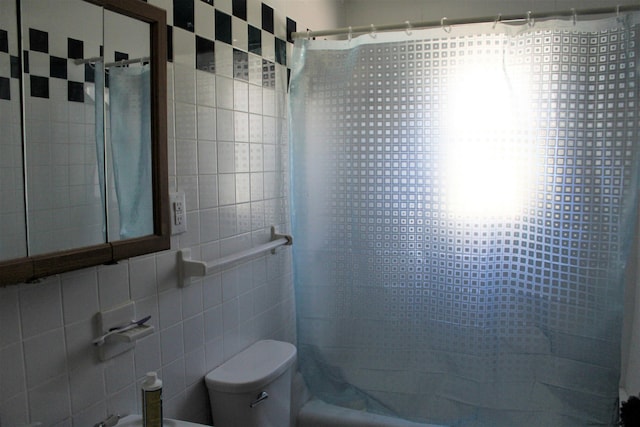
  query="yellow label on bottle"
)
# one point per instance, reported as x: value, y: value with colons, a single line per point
x: 152, y: 408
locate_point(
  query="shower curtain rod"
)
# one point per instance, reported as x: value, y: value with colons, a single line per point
x: 446, y: 22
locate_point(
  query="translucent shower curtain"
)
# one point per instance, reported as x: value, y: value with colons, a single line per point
x: 464, y: 201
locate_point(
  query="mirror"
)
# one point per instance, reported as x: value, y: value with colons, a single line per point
x: 83, y: 170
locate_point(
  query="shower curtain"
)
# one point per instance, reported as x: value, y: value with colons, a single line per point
x: 464, y: 201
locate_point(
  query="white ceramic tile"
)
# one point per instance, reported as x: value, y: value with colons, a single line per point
x: 256, y: 157
x: 142, y: 277
x: 242, y: 157
x: 254, y: 13
x: 14, y: 410
x: 245, y: 306
x: 207, y: 157
x: 213, y: 326
x: 119, y: 372
x: 84, y: 383
x: 240, y: 33
x: 232, y: 345
x: 226, y: 157
x: 79, y: 295
x: 170, y: 306
x: 88, y: 416
x: 269, y: 130
x: 205, y: 88
x: 209, y: 226
x: 185, y: 121
x: 50, y: 403
x: 123, y: 401
x: 40, y: 307
x: 257, y: 187
x: 166, y: 271
x: 255, y: 70
x: 9, y: 316
x: 193, y: 333
x: 226, y: 189
x: 206, y: 123
x: 189, y: 184
x: 186, y: 157
x: 192, y: 300
x: 147, y: 355
x: 268, y: 46
x: 185, y: 84
x: 214, y: 354
x: 258, y: 215
x: 228, y: 221
x: 269, y: 157
x: 12, y: 375
x: 241, y: 126
x: 225, y: 126
x: 204, y: 20
x: 184, y: 47
x: 243, y: 190
x: 192, y: 236
x: 224, y: 60
x: 224, y: 92
x: 255, y: 127
x: 208, y: 186
x: 173, y: 378
x: 240, y: 95
x: 244, y: 216
x: 255, y: 99
x: 195, y: 366
x: 171, y: 343
x: 79, y: 353
x: 44, y: 357
x: 113, y: 285
x: 212, y: 291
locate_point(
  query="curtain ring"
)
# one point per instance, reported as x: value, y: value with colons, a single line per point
x: 446, y: 28
x: 575, y: 15
x: 530, y: 19
x: 498, y: 19
x: 350, y: 35
x: 373, y: 31
x: 408, y: 30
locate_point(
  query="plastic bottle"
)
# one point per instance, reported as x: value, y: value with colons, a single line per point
x: 152, y: 401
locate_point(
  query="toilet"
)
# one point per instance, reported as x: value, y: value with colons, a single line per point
x: 253, y: 388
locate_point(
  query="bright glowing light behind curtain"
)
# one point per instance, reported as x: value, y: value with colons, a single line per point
x: 463, y: 206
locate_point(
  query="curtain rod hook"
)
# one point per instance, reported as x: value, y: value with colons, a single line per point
x: 373, y: 31
x: 408, y: 30
x: 446, y: 28
x: 575, y: 15
x: 530, y: 19
x: 308, y: 34
x: 498, y: 19
x: 350, y: 35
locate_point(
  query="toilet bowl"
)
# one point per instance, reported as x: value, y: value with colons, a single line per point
x: 253, y: 388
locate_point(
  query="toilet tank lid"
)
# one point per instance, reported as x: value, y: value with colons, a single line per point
x: 252, y: 368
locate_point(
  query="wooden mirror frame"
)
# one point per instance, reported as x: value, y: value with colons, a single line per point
x: 31, y: 268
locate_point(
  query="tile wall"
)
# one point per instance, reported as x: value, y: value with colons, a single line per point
x: 228, y: 153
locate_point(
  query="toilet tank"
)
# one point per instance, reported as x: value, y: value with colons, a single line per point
x: 253, y: 388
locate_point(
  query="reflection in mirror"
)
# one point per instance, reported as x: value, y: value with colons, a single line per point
x: 12, y: 213
x: 128, y: 126
x: 64, y: 208
x: 83, y: 155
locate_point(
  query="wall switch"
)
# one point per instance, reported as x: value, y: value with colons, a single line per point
x: 178, y: 213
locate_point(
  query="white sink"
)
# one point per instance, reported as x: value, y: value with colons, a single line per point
x: 136, y: 421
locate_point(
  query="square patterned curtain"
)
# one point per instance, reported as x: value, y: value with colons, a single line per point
x: 464, y: 202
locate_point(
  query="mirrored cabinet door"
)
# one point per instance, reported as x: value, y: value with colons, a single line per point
x: 63, y: 124
x: 13, y: 242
